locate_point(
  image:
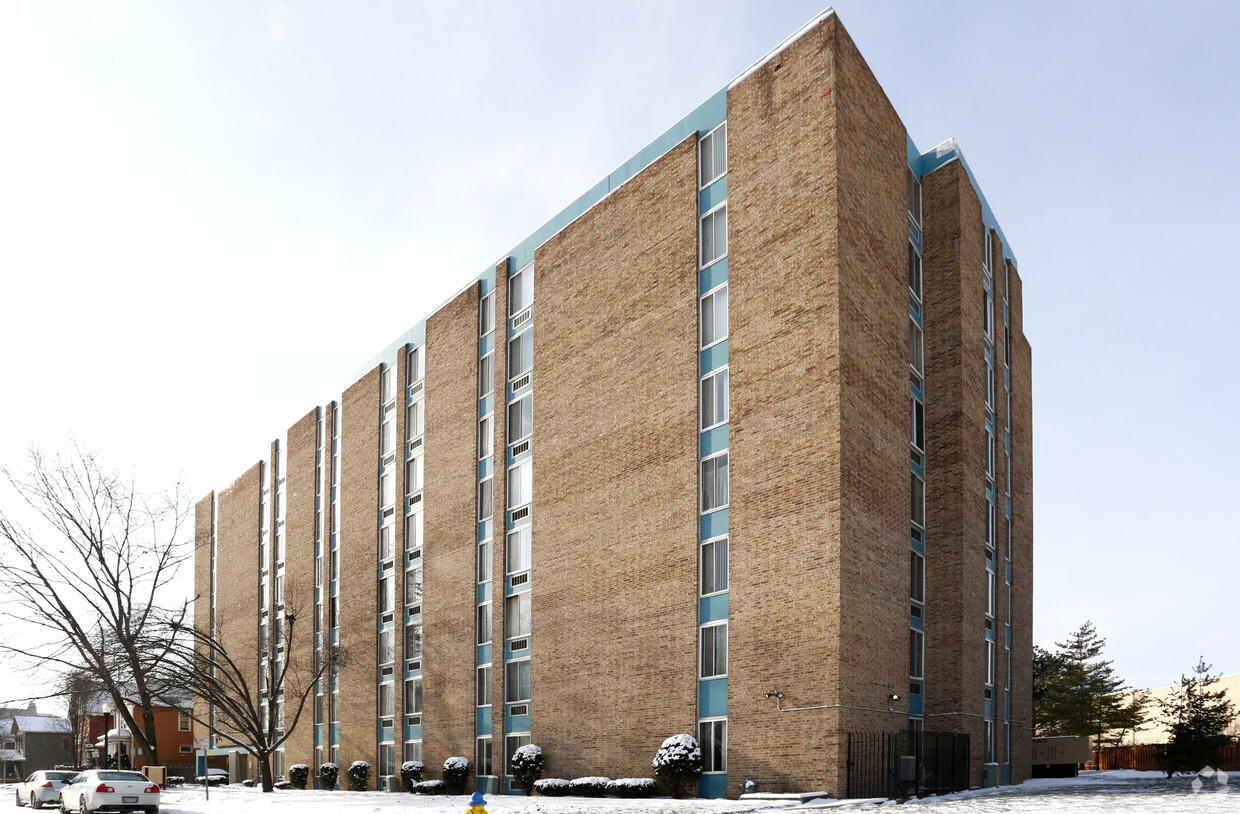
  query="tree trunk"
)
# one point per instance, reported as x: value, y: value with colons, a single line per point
x: 264, y: 772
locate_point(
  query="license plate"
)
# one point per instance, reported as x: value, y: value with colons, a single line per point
x: 133, y: 799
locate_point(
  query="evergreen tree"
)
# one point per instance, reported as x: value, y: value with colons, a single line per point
x: 1076, y: 691
x: 1197, y: 718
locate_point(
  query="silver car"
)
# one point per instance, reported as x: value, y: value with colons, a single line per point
x: 42, y: 787
x: 109, y: 790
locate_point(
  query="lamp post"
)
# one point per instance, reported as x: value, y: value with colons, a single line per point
x: 106, y: 708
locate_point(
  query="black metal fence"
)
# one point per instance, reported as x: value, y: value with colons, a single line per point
x: 903, y: 764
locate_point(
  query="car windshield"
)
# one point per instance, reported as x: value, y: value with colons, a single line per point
x: 59, y: 777
x: 121, y: 776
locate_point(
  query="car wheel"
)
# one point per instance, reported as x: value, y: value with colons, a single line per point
x: 35, y: 802
x: 18, y: 799
x: 82, y: 809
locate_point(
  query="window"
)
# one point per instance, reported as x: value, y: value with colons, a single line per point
x: 714, y: 483
x: 990, y: 663
x: 518, y: 550
x: 413, y: 641
x: 917, y: 493
x: 486, y: 437
x: 915, y: 346
x: 917, y: 577
x: 714, y: 566
x: 918, y: 424
x: 713, y: 316
x: 990, y: 593
x: 387, y: 759
x: 517, y: 681
x: 521, y: 290
x: 914, y: 202
x: 413, y: 586
x: 486, y: 314
x: 988, y: 249
x: 413, y: 750
x: 486, y: 375
x: 990, y: 385
x: 413, y: 696
x: 386, y: 601
x: 990, y: 524
x: 387, y: 646
x: 714, y: 650
x: 413, y: 531
x: 413, y: 372
x: 916, y: 649
x: 482, y: 758
x: 714, y: 235
x: 520, y: 354
x: 484, y: 560
x: 517, y: 615
x: 484, y: 623
x: 387, y: 488
x: 414, y: 422
x: 186, y: 749
x: 387, y: 388
x: 990, y: 454
x: 713, y: 155
x: 387, y: 700
x: 512, y: 743
x: 485, y: 499
x: 520, y: 484
x: 988, y: 314
x: 713, y: 740
x: 413, y: 475
x: 183, y: 722
x: 914, y: 271
x: 520, y: 418
x: 714, y: 398
x: 484, y: 686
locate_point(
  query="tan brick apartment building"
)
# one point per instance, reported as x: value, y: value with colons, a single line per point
x: 752, y: 416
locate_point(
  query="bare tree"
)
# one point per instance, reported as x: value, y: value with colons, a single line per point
x: 91, y: 576
x: 258, y: 717
x: 81, y: 692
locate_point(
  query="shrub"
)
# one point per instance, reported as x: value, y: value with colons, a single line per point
x: 632, y: 787
x: 678, y: 763
x: 456, y: 774
x: 174, y: 780
x: 298, y: 775
x: 328, y: 774
x: 213, y: 780
x: 411, y: 774
x: 430, y: 787
x: 551, y: 787
x: 359, y: 775
x: 282, y: 784
x: 526, y: 767
x: 249, y: 782
x: 588, y: 786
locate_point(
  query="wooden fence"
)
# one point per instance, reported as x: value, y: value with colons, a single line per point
x: 1145, y: 758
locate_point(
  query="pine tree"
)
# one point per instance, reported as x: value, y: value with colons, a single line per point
x: 1197, y: 718
x: 1078, y: 692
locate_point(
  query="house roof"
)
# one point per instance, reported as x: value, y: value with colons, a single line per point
x: 26, y: 723
x: 12, y: 756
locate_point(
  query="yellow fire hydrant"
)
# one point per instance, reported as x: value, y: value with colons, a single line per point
x: 477, y: 804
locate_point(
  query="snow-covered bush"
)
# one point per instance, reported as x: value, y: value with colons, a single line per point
x: 678, y: 763
x: 328, y: 774
x: 359, y: 775
x: 430, y: 787
x: 174, y: 780
x: 282, y: 785
x: 632, y: 787
x: 249, y: 782
x: 411, y: 774
x: 456, y: 774
x: 526, y: 766
x: 298, y: 774
x: 588, y: 786
x: 551, y: 787
x: 212, y: 780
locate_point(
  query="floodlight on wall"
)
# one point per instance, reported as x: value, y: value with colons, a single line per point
x: 893, y: 698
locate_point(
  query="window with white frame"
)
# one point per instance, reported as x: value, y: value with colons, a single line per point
x: 914, y: 271
x: 482, y: 757
x: 414, y: 420
x: 917, y: 577
x: 713, y: 155
x: 520, y: 418
x: 517, y: 615
x: 486, y: 437
x: 914, y: 202
x: 413, y: 370
x: 714, y: 566
x: 713, y: 662
x: 413, y: 475
x: 521, y: 290
x: 917, y: 495
x: 713, y: 316
x: 413, y: 696
x: 484, y: 623
x: 387, y: 586
x: 484, y: 686
x: 387, y: 646
x: 714, y: 398
x: 713, y: 741
x: 413, y: 531
x: 413, y: 641
x: 413, y: 586
x: 990, y: 663
x: 486, y: 314
x: 484, y: 560
x: 486, y: 375
x: 486, y: 506
x: 413, y: 750
x: 714, y: 482
x: 520, y: 354
x: 916, y: 652
x: 988, y: 314
x: 514, y: 742
x: 186, y: 749
x: 517, y: 552
x: 387, y: 700
x: 183, y: 722
x: 918, y: 425
x: 915, y: 354
x: 387, y: 759
x: 520, y: 484
x: 990, y: 593
x: 714, y: 235
x: 517, y: 681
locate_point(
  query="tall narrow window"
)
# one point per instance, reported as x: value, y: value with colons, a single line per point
x: 520, y: 484
x: 915, y: 348
x: 517, y: 615
x: 714, y: 577
x: 914, y: 202
x: 713, y: 155
x: 914, y: 271
x: 713, y: 740
x: 714, y: 650
x: 917, y: 493
x: 517, y: 681
x: 414, y: 423
x: 485, y: 437
x: 486, y: 375
x: 714, y: 316
x: 413, y: 475
x: 918, y: 436
x: 714, y: 478
x: 484, y: 686
x: 917, y: 577
x: 486, y: 314
x: 714, y: 398
x: 413, y: 372
x: 413, y: 696
x: 714, y: 235
x: 485, y: 500
x: 484, y: 623
x: 484, y: 560
x: 520, y: 354
x: 521, y: 290
x: 517, y: 551
x: 413, y: 641
x: 916, y: 650
x: 520, y: 418
x: 482, y: 757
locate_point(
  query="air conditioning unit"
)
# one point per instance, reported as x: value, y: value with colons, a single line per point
x: 517, y: 384
x: 520, y: 448
x: 517, y: 645
x: 518, y: 709
x: 520, y: 579
x: 519, y: 514
x: 521, y: 318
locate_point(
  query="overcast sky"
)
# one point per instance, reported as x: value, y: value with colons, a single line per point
x: 212, y: 214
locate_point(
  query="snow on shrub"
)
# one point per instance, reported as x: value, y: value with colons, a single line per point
x: 298, y: 774
x: 411, y: 774
x: 249, y: 782
x: 328, y: 774
x: 359, y: 775
x: 212, y: 780
x: 282, y: 784
x: 456, y: 774
x: 430, y: 787
x: 526, y: 766
x: 174, y: 780
x: 588, y: 786
x: 632, y: 787
x: 678, y: 763
x: 551, y: 787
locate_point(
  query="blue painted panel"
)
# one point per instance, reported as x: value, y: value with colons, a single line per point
x: 920, y: 624
x: 318, y: 734
x: 486, y: 468
x: 335, y: 733
x: 1007, y: 707
x: 713, y: 698
x: 990, y: 635
x: 713, y: 441
x: 524, y: 651
x: 713, y: 608
x: 713, y: 275
x: 484, y: 592
x: 918, y: 546
x: 387, y: 733
x: 1007, y: 565
x: 486, y: 406
x: 713, y: 357
x: 713, y: 786
x: 916, y: 703
x: 486, y: 282
x: 990, y: 708
x: 714, y: 524
x: 484, y: 654
x: 516, y: 723
x: 413, y: 733
x: 484, y: 530
x: 1007, y: 635
x: 486, y: 344
x: 484, y: 721
x: 713, y: 195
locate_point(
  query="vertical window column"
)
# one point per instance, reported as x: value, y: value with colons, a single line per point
x: 483, y: 770
x: 386, y: 577
x: 333, y: 594
x: 917, y: 459
x: 988, y: 463
x: 411, y: 606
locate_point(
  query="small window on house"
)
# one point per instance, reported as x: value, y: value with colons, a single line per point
x: 714, y: 399
x: 714, y: 576
x: 714, y: 483
x: 520, y: 354
x: 517, y: 615
x: 183, y: 722
x: 517, y: 681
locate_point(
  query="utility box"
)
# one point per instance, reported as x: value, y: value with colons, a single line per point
x: 990, y: 775
x: 908, y: 768
x: 1059, y: 756
x: 156, y: 774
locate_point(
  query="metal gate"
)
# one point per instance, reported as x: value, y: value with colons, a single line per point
x: 903, y: 764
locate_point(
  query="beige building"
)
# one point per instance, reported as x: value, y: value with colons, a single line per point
x: 739, y: 444
x: 1153, y: 732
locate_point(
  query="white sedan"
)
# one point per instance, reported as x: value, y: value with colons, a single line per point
x: 42, y: 787
x: 109, y: 790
